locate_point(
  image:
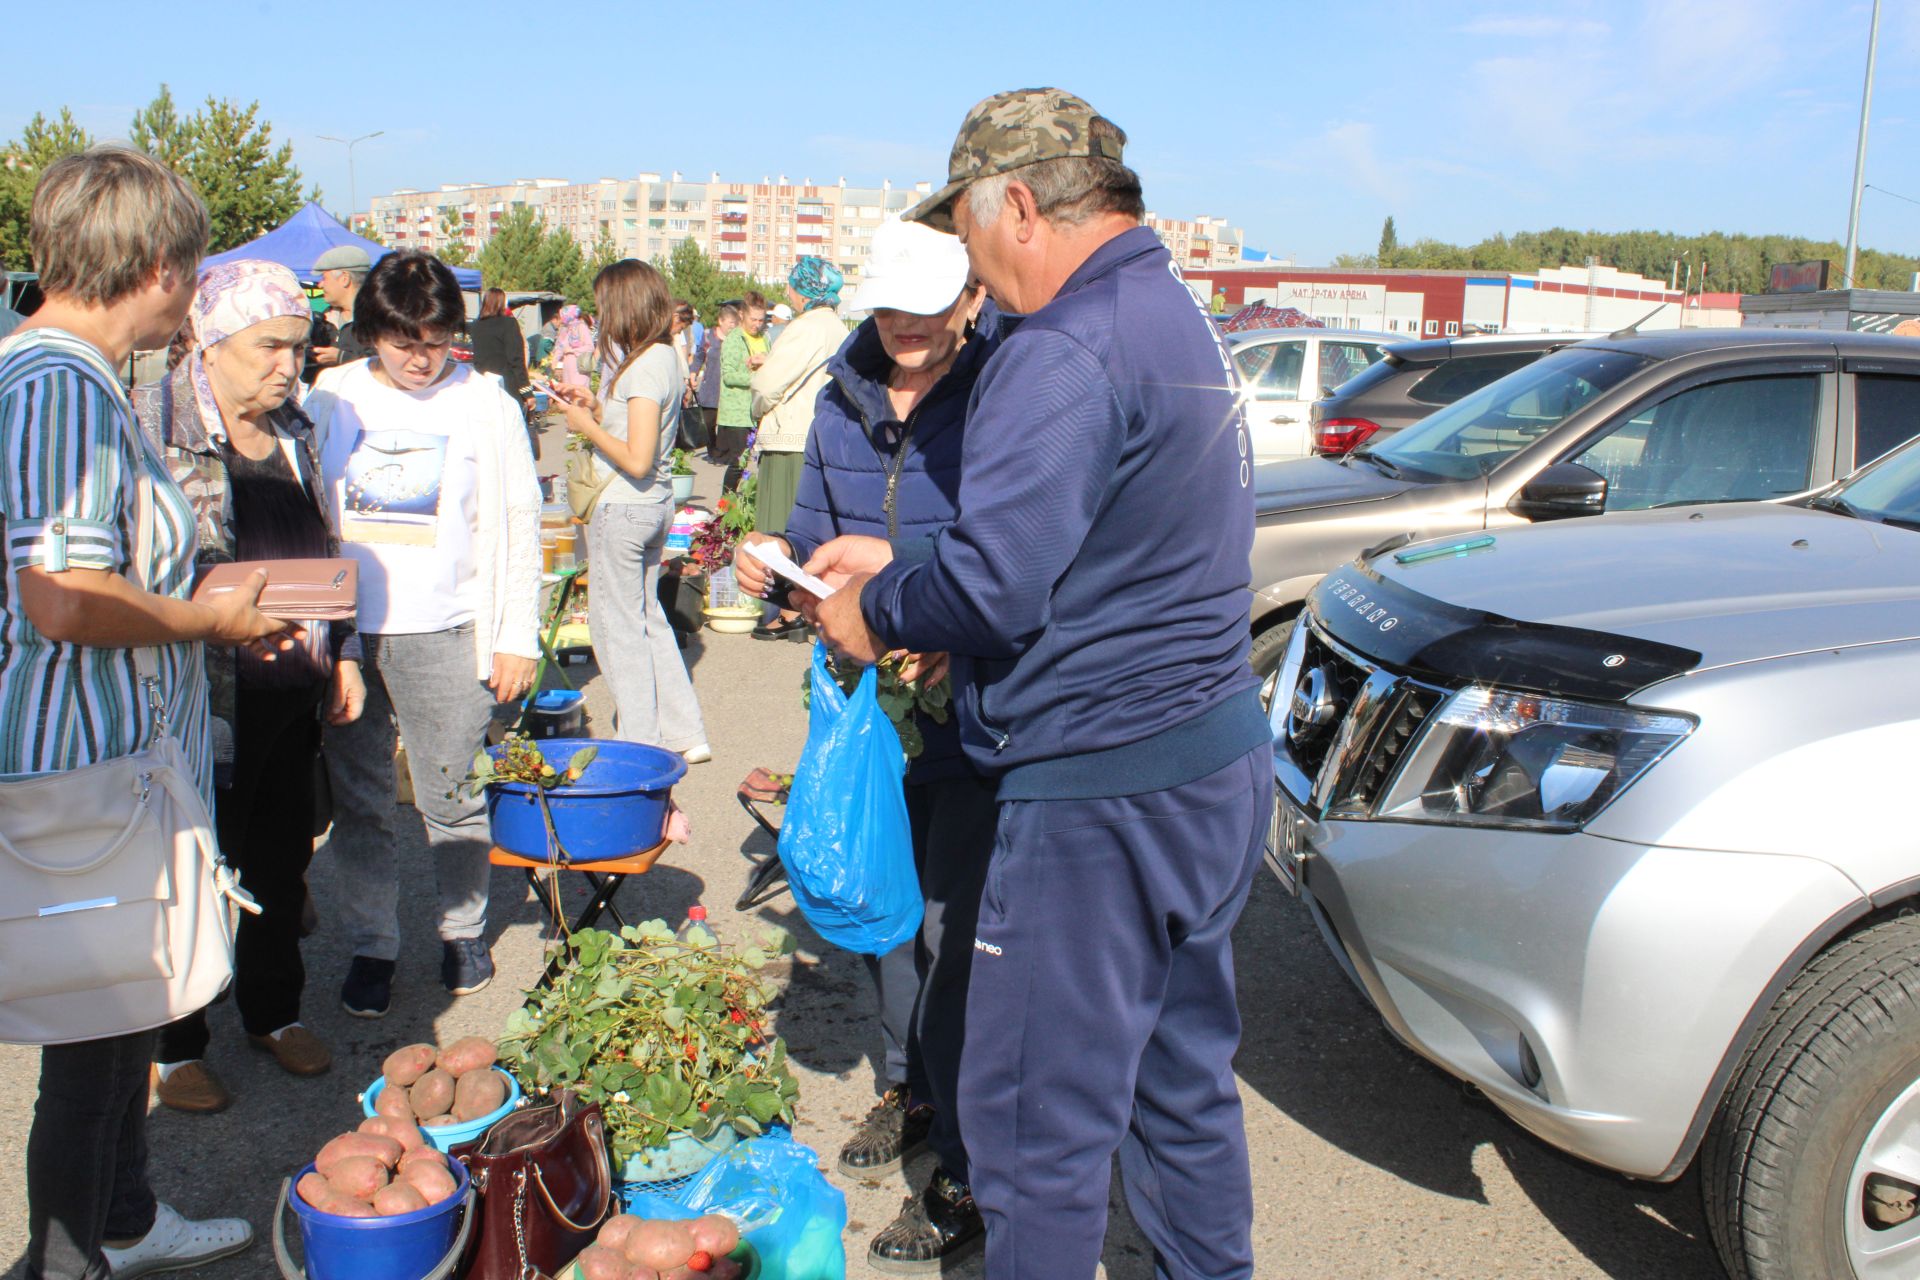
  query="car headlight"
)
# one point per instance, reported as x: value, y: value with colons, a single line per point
x: 1494, y: 757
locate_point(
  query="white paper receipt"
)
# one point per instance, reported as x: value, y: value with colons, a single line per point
x: 770, y: 554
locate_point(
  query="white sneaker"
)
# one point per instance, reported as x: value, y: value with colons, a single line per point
x: 176, y: 1243
x: 698, y: 755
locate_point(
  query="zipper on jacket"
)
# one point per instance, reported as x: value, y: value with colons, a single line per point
x: 893, y: 471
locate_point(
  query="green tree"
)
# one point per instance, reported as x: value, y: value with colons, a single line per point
x: 692, y: 275
x: 605, y: 253
x: 250, y: 186
x: 511, y: 257
x: 22, y: 162
x: 453, y: 230
x: 159, y: 131
x: 1389, y: 243
x: 563, y: 268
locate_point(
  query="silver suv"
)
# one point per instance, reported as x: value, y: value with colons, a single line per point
x: 1606, y: 818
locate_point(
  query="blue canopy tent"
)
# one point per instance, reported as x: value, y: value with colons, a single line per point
x: 299, y: 241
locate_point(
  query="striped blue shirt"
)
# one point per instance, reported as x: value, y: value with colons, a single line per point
x: 69, y: 499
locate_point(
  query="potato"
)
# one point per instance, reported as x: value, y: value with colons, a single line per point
x: 357, y: 1176
x: 313, y: 1189
x: 385, y: 1150
x: 715, y: 1234
x: 393, y: 1103
x: 469, y: 1053
x: 404, y: 1066
x: 615, y: 1231
x: 434, y: 1182
x: 347, y: 1207
x: 478, y: 1093
x: 597, y: 1262
x: 660, y: 1245
x: 438, y: 1122
x: 423, y: 1155
x: 432, y: 1094
x: 398, y: 1198
x: 404, y: 1132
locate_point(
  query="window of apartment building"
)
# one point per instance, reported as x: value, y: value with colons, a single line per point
x: 786, y: 231
x: 1453, y: 328
x: 1433, y: 328
x: 653, y: 244
x: 760, y: 246
x: 759, y: 228
x: 786, y: 210
x: 678, y: 224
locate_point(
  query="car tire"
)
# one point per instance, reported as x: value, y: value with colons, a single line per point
x: 1269, y: 648
x: 1783, y: 1170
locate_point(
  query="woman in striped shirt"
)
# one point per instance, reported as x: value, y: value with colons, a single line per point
x: 116, y: 238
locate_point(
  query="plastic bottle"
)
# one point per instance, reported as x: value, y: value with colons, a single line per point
x: 696, y: 932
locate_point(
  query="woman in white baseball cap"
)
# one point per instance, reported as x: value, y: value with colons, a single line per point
x: 883, y: 458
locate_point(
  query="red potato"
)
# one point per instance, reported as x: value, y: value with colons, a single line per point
x: 469, y: 1053
x: 432, y: 1094
x: 597, y: 1262
x: 423, y: 1155
x: 357, y: 1176
x: 347, y: 1207
x: 394, y: 1103
x: 637, y: 1272
x: 313, y: 1189
x: 398, y: 1198
x: 404, y: 1066
x: 715, y: 1234
x: 617, y: 1229
x: 404, y: 1132
x: 660, y: 1245
x: 384, y: 1150
x: 433, y: 1182
x: 438, y: 1122
x: 478, y: 1093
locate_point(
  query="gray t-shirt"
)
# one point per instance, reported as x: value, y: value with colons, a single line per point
x: 659, y: 375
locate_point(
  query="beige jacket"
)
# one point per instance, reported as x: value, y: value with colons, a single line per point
x: 788, y: 385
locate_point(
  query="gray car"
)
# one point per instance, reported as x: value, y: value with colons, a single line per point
x: 1611, y: 424
x: 1607, y: 818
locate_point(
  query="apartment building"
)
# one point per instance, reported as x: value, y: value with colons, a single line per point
x: 757, y: 228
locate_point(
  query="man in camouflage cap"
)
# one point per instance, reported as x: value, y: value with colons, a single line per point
x: 1092, y: 596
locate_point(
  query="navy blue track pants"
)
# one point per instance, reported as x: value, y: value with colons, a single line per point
x: 1101, y: 1018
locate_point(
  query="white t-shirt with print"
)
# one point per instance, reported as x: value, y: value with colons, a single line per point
x: 659, y: 375
x: 402, y: 477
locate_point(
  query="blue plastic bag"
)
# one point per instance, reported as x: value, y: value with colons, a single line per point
x: 845, y: 842
x: 772, y: 1187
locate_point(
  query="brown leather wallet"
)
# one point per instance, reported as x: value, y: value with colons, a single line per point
x: 296, y: 590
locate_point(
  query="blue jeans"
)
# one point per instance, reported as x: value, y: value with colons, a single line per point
x: 87, y: 1155
x: 423, y: 685
x: 633, y: 643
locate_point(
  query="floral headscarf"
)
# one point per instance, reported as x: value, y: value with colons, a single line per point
x: 817, y: 280
x: 232, y: 297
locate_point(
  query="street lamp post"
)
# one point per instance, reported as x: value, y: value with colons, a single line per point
x: 1860, y: 151
x: 353, y: 193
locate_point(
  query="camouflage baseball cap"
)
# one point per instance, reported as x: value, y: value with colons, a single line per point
x: 1010, y: 131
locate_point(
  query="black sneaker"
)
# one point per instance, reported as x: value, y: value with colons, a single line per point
x: 368, y: 990
x: 465, y: 965
x: 891, y: 1131
x: 941, y: 1225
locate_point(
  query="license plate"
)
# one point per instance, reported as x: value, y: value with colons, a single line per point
x: 1287, y: 842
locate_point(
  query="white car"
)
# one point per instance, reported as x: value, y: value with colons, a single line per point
x: 1282, y: 371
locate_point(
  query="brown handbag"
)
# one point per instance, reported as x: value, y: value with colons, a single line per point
x: 545, y: 1184
x: 296, y: 590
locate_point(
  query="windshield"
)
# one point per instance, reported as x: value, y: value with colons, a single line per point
x: 1473, y: 435
x: 1888, y: 491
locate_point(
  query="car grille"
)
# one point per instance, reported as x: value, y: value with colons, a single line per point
x: 1349, y: 724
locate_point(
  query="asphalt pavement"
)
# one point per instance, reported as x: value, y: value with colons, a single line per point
x: 1367, y: 1162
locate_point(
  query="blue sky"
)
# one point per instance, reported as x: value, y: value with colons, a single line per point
x: 1305, y: 123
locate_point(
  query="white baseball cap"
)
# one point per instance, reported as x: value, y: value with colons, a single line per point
x: 781, y: 312
x: 913, y: 268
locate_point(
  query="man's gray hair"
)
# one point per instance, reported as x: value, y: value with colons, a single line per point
x: 106, y: 220
x: 1068, y: 191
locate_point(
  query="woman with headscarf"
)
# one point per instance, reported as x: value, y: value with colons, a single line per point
x: 785, y: 390
x: 572, y: 347
x: 243, y: 452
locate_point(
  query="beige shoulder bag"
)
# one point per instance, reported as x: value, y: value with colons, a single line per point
x: 116, y: 909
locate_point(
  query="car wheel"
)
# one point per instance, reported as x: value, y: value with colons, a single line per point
x: 1269, y: 648
x: 1811, y: 1168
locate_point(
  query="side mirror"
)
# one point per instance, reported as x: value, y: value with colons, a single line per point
x: 1562, y: 490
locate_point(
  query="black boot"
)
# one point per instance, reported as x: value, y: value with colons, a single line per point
x: 939, y: 1225
x: 884, y: 1139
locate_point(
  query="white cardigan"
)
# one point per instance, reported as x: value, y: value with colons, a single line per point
x: 508, y: 498
x: 787, y: 386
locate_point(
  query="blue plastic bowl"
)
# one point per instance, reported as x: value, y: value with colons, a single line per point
x: 405, y: 1246
x: 617, y: 809
x: 446, y: 1137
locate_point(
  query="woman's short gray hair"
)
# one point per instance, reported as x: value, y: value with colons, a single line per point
x: 1067, y: 191
x: 106, y: 220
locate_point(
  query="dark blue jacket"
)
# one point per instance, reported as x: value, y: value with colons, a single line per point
x: 858, y: 449
x: 1093, y: 589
